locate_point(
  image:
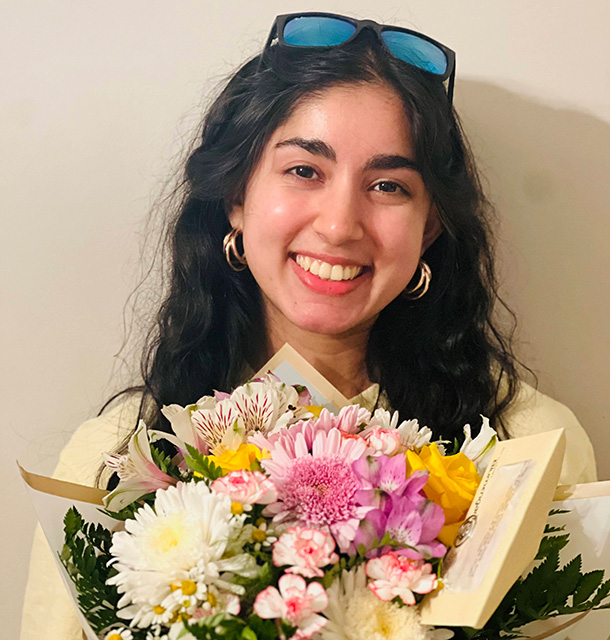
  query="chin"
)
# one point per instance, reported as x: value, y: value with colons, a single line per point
x: 325, y: 324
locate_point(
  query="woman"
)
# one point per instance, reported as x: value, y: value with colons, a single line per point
x: 333, y: 204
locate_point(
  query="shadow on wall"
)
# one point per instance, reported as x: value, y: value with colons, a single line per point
x: 547, y: 171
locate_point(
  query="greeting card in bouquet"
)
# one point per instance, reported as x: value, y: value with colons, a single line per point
x: 502, y: 531
x: 292, y: 369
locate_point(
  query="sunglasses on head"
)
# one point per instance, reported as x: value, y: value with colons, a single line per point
x: 316, y: 30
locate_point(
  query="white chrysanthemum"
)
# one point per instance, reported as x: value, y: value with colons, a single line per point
x: 411, y: 436
x: 354, y: 612
x: 119, y: 634
x: 156, y: 633
x: 185, y: 537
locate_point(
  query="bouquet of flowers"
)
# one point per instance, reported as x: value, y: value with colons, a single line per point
x: 263, y: 517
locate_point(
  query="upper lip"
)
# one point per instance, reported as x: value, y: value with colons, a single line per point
x: 324, y: 257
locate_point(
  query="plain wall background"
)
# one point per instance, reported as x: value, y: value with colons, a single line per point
x: 97, y: 98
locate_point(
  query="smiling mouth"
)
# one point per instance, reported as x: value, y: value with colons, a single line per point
x: 327, y: 271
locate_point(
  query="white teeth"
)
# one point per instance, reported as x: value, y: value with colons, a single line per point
x: 327, y: 271
x: 336, y: 273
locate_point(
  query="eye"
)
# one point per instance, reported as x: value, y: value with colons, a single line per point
x: 387, y: 186
x: 302, y: 171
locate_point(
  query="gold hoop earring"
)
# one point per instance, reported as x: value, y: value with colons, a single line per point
x: 237, y: 261
x: 425, y: 276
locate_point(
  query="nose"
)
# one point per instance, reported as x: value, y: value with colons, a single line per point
x: 339, y: 219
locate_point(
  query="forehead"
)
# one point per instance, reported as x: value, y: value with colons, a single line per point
x: 364, y: 119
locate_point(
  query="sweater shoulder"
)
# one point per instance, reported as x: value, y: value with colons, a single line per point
x: 83, y: 456
x: 534, y: 412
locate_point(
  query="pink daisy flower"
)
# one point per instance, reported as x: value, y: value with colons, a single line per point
x: 312, y: 470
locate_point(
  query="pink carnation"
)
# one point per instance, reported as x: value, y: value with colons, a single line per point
x: 297, y: 603
x: 305, y: 550
x: 246, y: 487
x: 383, y: 441
x: 395, y: 575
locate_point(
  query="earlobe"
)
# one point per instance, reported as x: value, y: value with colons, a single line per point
x: 432, y: 230
x: 236, y: 216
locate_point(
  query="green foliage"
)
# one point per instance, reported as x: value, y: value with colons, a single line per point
x: 128, y: 512
x: 202, y: 464
x: 268, y: 574
x: 333, y: 572
x: 549, y: 590
x: 550, y: 544
x: 220, y: 626
x: 164, y: 462
x: 227, y: 627
x: 263, y: 629
x: 85, y: 555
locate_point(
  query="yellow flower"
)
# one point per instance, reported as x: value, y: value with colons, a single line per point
x: 452, y: 485
x: 315, y: 409
x: 230, y: 460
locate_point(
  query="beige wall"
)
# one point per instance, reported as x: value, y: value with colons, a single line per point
x: 96, y: 98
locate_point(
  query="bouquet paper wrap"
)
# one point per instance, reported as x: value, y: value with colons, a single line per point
x: 439, y: 549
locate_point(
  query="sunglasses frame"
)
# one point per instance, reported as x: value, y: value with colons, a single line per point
x: 277, y: 32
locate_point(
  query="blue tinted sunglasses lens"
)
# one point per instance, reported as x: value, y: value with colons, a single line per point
x: 317, y: 31
x: 416, y: 51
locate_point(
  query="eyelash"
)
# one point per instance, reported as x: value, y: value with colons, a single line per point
x: 305, y: 166
x: 398, y: 186
x: 300, y: 166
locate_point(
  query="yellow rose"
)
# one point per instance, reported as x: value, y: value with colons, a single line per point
x: 230, y: 460
x: 452, y: 485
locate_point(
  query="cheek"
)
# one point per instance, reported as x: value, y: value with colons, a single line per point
x: 271, y: 225
x: 400, y: 243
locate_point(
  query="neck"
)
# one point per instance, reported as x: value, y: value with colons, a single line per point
x: 340, y: 358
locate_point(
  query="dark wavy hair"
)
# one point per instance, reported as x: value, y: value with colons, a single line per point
x: 442, y: 358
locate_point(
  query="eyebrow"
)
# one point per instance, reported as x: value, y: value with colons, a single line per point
x: 380, y: 161
x: 314, y: 146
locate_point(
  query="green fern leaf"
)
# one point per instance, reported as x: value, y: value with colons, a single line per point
x: 588, y: 584
x: 201, y: 464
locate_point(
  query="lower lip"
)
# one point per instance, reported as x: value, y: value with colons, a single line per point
x: 328, y: 287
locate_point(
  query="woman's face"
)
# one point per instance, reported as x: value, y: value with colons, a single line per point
x: 336, y: 216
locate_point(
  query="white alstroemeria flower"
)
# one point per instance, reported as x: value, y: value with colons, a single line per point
x: 265, y: 405
x: 260, y: 406
x: 138, y: 473
x: 481, y: 448
x: 218, y: 426
x: 180, y: 419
